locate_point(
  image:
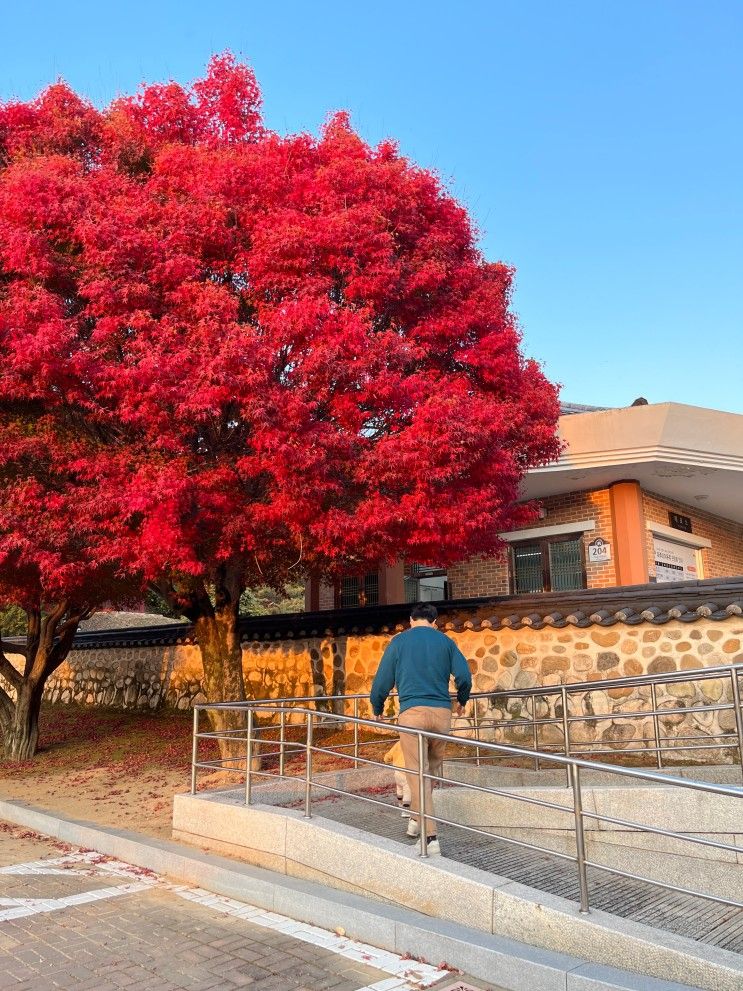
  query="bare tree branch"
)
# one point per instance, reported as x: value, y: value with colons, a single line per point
x: 299, y: 559
x: 33, y: 636
x: 52, y: 619
x: 61, y: 647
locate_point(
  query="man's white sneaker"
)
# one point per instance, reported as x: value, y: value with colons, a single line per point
x: 414, y: 829
x: 433, y: 848
x: 405, y: 811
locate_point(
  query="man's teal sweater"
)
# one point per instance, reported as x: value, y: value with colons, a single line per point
x: 420, y: 663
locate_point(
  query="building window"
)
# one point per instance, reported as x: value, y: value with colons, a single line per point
x: 675, y: 562
x: 358, y: 590
x: 551, y: 565
x: 426, y: 584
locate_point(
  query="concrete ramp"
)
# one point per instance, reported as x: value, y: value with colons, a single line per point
x: 359, y: 847
x: 711, y: 819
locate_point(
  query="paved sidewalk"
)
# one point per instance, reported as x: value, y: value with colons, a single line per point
x: 74, y: 919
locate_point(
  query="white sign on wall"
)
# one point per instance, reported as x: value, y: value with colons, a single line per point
x: 599, y: 551
x: 674, y: 562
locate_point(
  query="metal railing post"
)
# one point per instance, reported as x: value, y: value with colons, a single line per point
x: 534, y: 734
x: 355, y: 733
x: 282, y: 742
x: 738, y: 719
x: 476, y: 719
x: 422, y: 795
x: 308, y: 768
x: 566, y: 729
x: 656, y: 725
x: 194, y: 748
x: 580, y: 839
x: 249, y: 759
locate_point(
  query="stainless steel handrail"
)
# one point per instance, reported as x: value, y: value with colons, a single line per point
x: 573, y: 687
x: 573, y: 767
x: 659, y: 744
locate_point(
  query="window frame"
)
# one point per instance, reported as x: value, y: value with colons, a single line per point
x: 544, y: 545
x: 361, y: 579
x: 415, y: 572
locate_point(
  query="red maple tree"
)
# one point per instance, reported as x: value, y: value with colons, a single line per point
x: 52, y: 515
x: 290, y: 350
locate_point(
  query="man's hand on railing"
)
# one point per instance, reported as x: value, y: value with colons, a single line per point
x: 380, y: 718
x: 459, y: 709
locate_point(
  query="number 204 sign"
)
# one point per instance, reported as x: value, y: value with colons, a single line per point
x: 599, y: 551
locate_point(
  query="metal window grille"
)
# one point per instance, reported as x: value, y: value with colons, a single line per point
x: 350, y: 592
x: 548, y: 566
x: 527, y: 568
x: 371, y: 590
x: 425, y: 582
x: 411, y: 589
x: 359, y: 590
x: 566, y: 565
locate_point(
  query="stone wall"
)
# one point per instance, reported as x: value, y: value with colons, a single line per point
x: 150, y: 677
x: 501, y: 659
x: 527, y: 659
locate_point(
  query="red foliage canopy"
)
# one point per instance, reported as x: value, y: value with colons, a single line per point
x: 263, y: 348
x: 53, y: 514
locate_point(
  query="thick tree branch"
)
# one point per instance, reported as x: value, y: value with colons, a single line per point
x: 52, y: 619
x: 9, y: 672
x: 227, y: 588
x: 13, y: 648
x: 33, y: 638
x: 62, y: 646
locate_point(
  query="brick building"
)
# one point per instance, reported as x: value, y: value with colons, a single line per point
x: 647, y: 493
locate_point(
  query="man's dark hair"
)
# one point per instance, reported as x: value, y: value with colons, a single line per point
x: 424, y: 610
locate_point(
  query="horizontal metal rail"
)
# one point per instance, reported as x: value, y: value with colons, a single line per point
x: 660, y: 746
x: 510, y: 749
x: 630, y: 681
x: 305, y: 750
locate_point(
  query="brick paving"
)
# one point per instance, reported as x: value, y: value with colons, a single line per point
x: 153, y: 940
x: 144, y: 934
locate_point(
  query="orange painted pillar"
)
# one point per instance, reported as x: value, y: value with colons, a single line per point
x: 630, y: 536
x: 312, y: 595
x: 392, y: 588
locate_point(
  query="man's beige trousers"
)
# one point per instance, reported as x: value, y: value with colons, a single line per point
x: 434, y: 720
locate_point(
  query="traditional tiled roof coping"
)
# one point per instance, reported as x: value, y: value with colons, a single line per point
x: 714, y: 598
x: 567, y: 408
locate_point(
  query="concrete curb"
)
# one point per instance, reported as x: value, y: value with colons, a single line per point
x: 513, y: 965
x: 349, y: 858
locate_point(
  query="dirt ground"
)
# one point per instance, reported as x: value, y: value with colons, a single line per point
x: 115, y: 768
x: 105, y: 766
x: 122, y: 769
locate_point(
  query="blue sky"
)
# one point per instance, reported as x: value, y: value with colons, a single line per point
x: 597, y: 145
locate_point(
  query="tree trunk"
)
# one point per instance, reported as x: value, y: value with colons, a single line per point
x: 214, y: 609
x: 48, y: 642
x: 221, y: 657
x: 22, y: 737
